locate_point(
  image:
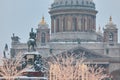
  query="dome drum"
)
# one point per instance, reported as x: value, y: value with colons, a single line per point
x: 73, y: 16
x: 73, y: 22
x: 74, y: 36
x: 72, y: 11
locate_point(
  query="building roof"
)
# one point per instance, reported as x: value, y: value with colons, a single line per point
x: 70, y: 3
x: 87, y: 53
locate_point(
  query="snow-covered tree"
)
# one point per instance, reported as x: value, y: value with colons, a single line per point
x: 68, y: 67
x: 11, y: 68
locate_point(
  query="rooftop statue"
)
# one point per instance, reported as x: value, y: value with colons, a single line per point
x: 15, y: 38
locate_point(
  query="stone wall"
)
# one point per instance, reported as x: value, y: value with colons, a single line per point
x: 114, y: 66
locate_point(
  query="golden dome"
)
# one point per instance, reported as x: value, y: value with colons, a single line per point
x: 42, y: 21
x: 110, y: 24
x: 110, y: 21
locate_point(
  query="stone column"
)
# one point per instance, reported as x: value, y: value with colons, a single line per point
x: 74, y: 23
x: 69, y: 23
x: 66, y: 23
x: 86, y: 27
x: 94, y: 23
x: 83, y: 23
x: 57, y: 24
x: 77, y: 21
x: 90, y: 23
x: 52, y: 25
x: 60, y: 24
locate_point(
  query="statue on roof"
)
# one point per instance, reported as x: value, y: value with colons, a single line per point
x: 32, y: 41
x: 15, y: 39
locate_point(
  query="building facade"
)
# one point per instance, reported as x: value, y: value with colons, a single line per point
x: 73, y: 28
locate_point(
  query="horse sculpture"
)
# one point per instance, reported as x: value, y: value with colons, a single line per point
x: 32, y: 41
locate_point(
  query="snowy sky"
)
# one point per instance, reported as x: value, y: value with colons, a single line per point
x: 19, y: 16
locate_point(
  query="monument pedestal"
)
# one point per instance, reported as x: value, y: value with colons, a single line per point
x: 34, y: 61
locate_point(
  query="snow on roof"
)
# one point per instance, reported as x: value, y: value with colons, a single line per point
x: 30, y: 70
x: 26, y: 77
x: 32, y: 53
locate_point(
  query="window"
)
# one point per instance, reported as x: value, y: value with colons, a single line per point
x: 107, y: 51
x: 83, y: 23
x: 57, y: 25
x: 43, y: 37
x: 89, y: 25
x: 63, y: 24
x: 74, y: 24
x: 110, y: 36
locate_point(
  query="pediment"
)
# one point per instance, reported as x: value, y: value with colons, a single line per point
x: 87, y: 53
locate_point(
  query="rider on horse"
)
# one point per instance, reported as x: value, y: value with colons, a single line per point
x: 32, y: 41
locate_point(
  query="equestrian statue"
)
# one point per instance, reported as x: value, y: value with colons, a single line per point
x: 32, y: 41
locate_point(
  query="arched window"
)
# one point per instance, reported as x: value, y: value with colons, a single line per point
x: 74, y: 24
x: 43, y: 37
x: 110, y: 36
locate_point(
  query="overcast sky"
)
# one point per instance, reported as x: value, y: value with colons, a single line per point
x: 19, y: 16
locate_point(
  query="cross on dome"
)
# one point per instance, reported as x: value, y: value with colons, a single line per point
x: 110, y: 18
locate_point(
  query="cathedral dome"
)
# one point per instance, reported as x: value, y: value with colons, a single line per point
x: 83, y: 4
x: 72, y: 20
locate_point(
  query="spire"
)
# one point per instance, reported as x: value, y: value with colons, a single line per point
x: 99, y: 30
x: 6, y: 47
x: 5, y: 52
x: 110, y: 19
x: 110, y: 24
x: 43, y: 21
